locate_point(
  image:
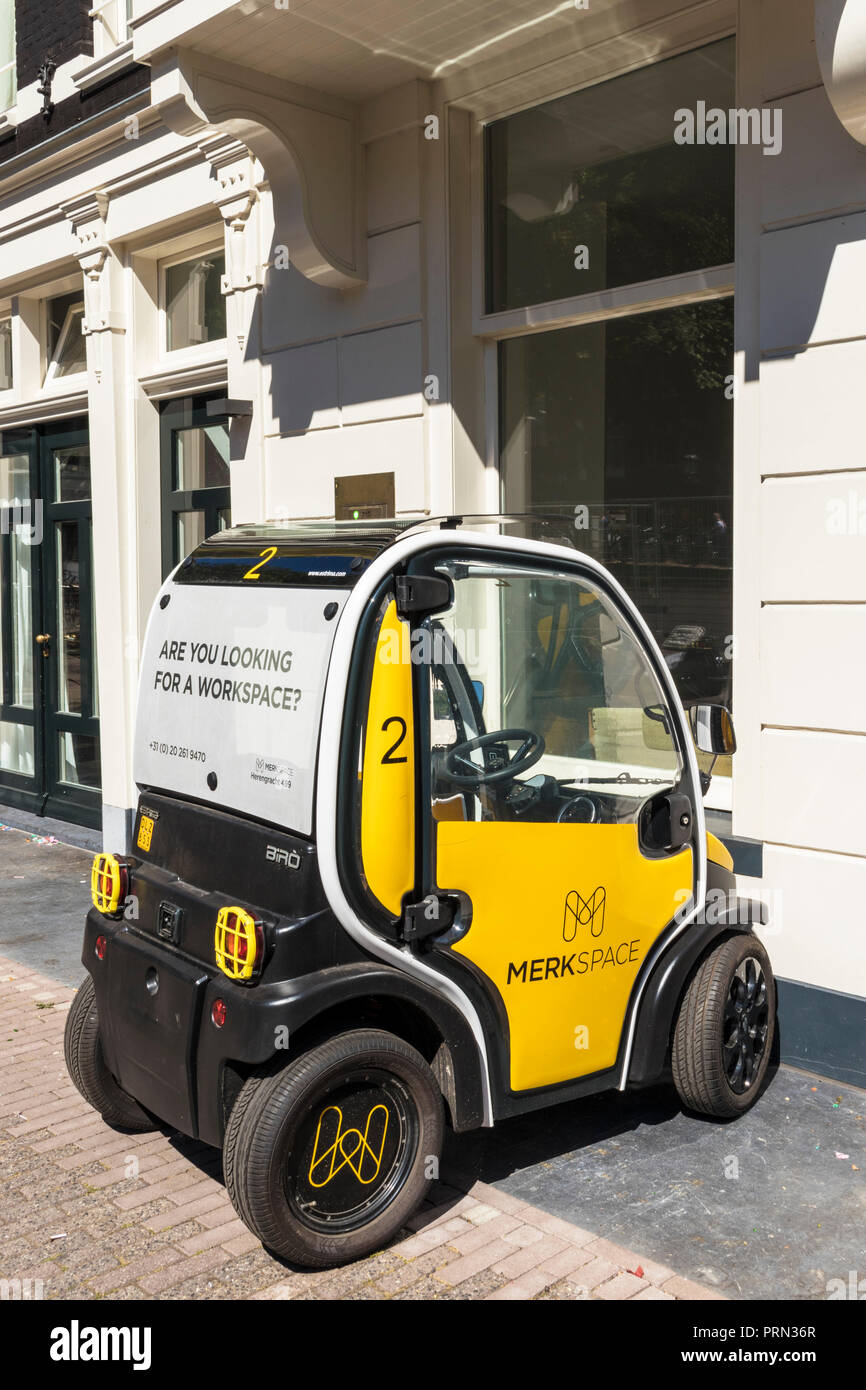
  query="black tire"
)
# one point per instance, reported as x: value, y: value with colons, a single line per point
x: 725, y: 1028
x: 287, y: 1126
x: 86, y: 1065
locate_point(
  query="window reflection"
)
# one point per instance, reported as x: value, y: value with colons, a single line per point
x: 600, y: 169
x: 626, y: 428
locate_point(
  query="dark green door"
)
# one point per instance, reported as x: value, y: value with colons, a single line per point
x: 49, y: 734
x: 71, y: 711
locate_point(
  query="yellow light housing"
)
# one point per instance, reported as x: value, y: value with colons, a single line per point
x: 108, y: 879
x: 236, y: 943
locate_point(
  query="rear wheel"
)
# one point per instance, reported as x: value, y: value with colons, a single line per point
x: 328, y: 1159
x: 725, y: 1028
x: 85, y: 1063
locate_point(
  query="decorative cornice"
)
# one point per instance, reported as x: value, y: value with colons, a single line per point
x: 167, y: 382
x: 48, y: 407
x: 103, y: 69
x: 87, y: 216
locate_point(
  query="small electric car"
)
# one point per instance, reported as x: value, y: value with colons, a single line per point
x: 420, y: 839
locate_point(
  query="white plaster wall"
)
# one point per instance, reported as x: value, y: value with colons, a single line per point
x: 345, y: 370
x: 816, y: 905
x: 800, y: 473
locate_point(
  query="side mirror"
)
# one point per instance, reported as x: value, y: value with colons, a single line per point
x: 712, y: 729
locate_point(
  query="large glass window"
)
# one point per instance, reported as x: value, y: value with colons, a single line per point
x: 624, y: 424
x: 592, y: 191
x: 7, y: 54
x: 195, y: 309
x: 626, y: 428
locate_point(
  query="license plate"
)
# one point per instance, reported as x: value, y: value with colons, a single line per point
x: 145, y: 832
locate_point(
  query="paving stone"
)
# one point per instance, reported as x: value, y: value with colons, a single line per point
x: 475, y: 1237
x: 530, y: 1283
x: 213, y: 1201
x: 183, y: 1270
x: 431, y: 1237
x: 126, y: 1273
x: 688, y: 1289
x: 529, y: 1257
x: 464, y: 1266
x: 597, y: 1272
x: 620, y: 1287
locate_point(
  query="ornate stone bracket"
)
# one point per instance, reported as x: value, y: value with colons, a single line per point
x: 840, y: 37
x: 308, y: 145
x: 237, y: 177
x: 87, y: 218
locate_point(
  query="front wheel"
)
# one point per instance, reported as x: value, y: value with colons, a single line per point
x: 725, y: 1028
x: 327, y: 1159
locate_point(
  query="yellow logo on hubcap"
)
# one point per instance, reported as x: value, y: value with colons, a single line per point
x: 339, y: 1147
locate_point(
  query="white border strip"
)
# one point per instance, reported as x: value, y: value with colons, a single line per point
x: 329, y: 759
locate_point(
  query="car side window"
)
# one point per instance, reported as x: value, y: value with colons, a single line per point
x: 544, y: 705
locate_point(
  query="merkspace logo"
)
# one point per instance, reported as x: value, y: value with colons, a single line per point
x: 77, y: 1343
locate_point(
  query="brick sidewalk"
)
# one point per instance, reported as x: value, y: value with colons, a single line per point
x: 96, y: 1214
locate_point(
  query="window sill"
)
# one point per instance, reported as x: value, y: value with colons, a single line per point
x: 105, y: 67
x: 178, y: 359
x: 184, y: 378
x: 8, y: 120
x: 65, y: 385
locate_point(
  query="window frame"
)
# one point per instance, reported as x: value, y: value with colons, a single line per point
x: 173, y: 500
x: 11, y: 66
x: 112, y: 33
x: 52, y: 374
x: 494, y: 569
x: 194, y: 351
x: 6, y: 316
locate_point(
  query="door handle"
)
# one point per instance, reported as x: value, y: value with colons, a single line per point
x: 44, y: 640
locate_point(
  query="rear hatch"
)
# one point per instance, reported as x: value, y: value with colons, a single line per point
x: 233, y: 677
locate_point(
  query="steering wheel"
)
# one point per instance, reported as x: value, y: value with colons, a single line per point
x: 527, y: 755
x: 579, y: 810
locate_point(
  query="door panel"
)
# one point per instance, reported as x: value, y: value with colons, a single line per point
x: 68, y: 646
x: 552, y: 753
x: 49, y: 728
x: 563, y: 917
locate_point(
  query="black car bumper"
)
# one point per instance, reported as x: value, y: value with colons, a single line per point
x: 161, y: 1043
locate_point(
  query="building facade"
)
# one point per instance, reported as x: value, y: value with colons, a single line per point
x: 604, y: 260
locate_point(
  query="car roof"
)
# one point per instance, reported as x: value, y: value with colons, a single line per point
x: 334, y: 554
x: 379, y: 533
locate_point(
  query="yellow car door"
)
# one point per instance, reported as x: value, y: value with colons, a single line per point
x: 557, y: 807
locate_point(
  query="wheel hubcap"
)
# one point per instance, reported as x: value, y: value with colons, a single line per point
x: 351, y: 1152
x: 746, y: 1025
